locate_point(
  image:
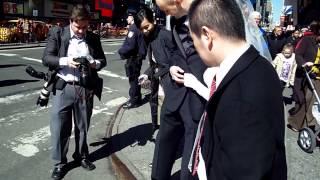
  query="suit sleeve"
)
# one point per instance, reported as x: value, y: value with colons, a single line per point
x: 50, y: 55
x: 99, y: 55
x: 142, y: 51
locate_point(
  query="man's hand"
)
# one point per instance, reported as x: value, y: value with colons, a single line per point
x: 142, y: 79
x: 93, y: 64
x: 190, y: 81
x: 308, y: 64
x: 177, y: 74
x: 72, y: 64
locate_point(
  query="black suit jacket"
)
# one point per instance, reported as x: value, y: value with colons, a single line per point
x: 244, y: 132
x: 161, y: 46
x: 57, y: 46
x: 190, y: 64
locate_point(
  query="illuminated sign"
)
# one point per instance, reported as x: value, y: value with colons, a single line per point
x: 105, y: 6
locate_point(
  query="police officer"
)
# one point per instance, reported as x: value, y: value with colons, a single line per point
x: 134, y: 51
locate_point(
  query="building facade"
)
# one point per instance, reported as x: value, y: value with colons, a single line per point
x: 303, y: 11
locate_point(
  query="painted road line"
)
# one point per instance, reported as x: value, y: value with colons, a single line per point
x: 22, y: 49
x: 17, y: 97
x: 111, y: 74
x: 7, y: 54
x: 109, y: 53
x: 102, y: 72
x: 25, y: 96
x: 32, y: 59
x: 20, y: 117
x: 112, y: 44
x: 27, y: 144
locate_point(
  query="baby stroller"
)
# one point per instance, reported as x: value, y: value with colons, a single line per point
x: 308, y: 137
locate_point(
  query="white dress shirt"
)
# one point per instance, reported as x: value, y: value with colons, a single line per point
x: 77, y: 48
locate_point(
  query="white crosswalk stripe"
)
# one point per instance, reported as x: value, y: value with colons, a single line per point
x: 28, y: 144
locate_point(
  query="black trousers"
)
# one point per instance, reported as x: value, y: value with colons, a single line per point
x: 133, y: 67
x: 135, y: 89
x: 174, y: 126
x: 154, y: 100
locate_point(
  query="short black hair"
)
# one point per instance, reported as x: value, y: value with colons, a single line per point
x: 80, y: 12
x: 143, y: 13
x: 222, y: 16
x: 315, y: 27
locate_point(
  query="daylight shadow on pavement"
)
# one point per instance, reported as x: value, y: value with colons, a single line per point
x: 138, y: 135
x: 13, y: 82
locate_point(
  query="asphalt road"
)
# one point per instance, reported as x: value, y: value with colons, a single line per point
x: 24, y: 127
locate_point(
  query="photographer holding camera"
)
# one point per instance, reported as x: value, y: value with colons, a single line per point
x: 75, y: 55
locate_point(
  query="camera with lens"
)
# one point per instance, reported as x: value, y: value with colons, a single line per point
x: 85, y: 71
x: 43, y: 98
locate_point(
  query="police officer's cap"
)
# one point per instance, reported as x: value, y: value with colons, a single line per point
x: 131, y: 13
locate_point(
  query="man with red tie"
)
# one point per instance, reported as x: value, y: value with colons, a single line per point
x: 241, y: 134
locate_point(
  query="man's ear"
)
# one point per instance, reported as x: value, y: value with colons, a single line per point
x: 206, y: 34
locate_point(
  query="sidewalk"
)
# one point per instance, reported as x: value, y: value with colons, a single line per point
x: 7, y: 46
x: 132, y: 131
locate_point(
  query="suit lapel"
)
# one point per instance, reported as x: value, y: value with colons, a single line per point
x: 241, y: 64
x: 89, y: 43
x: 65, y: 37
x: 178, y: 41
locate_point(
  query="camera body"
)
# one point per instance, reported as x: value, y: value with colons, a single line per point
x: 85, y: 71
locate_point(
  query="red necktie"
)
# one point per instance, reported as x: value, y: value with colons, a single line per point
x: 195, y: 168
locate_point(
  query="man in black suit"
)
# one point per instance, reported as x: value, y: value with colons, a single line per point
x: 182, y: 106
x: 243, y: 132
x: 72, y: 92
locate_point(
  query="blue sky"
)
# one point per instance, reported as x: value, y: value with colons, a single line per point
x: 277, y: 8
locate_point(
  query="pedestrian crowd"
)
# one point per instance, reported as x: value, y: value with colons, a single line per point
x: 216, y: 81
x: 29, y: 30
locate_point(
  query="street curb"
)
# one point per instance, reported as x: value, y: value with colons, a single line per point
x: 20, y: 46
x: 123, y: 168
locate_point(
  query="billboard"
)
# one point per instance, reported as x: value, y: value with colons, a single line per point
x: 12, y: 8
x: 105, y: 6
x: 57, y: 9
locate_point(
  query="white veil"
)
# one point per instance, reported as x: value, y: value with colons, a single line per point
x: 253, y: 34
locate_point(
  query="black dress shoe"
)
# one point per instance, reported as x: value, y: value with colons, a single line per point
x: 88, y: 165
x: 292, y: 128
x: 57, y: 173
x: 130, y: 105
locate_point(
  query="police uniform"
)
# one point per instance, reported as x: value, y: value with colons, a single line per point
x: 134, y: 51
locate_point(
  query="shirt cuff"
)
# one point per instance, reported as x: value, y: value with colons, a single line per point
x: 98, y: 64
x: 63, y: 61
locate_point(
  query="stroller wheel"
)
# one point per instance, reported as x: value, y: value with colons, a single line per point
x: 307, y: 140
